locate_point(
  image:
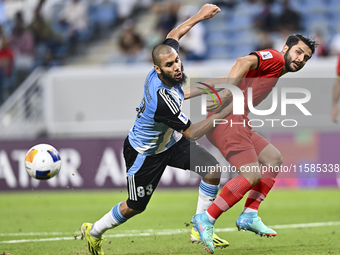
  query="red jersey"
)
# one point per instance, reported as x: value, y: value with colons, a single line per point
x: 338, y: 67
x: 264, y: 78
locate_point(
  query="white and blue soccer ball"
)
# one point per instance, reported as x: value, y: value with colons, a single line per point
x: 42, y: 162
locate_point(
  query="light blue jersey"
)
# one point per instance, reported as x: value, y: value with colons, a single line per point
x: 159, y: 117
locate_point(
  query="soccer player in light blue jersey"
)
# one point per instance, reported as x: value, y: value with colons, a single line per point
x: 161, y: 136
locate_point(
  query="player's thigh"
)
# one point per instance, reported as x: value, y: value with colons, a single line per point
x: 258, y: 141
x: 246, y: 153
x: 143, y: 175
x: 142, y: 183
x: 242, y: 158
x: 246, y: 164
x: 270, y: 155
x: 190, y: 155
x: 267, y: 153
x: 228, y: 138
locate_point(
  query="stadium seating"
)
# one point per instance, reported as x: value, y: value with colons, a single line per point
x: 103, y: 16
x: 236, y: 29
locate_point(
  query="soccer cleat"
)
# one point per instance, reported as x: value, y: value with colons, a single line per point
x: 218, y: 242
x: 250, y: 221
x: 205, y: 229
x: 93, y: 244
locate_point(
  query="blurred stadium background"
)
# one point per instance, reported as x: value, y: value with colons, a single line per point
x: 78, y: 84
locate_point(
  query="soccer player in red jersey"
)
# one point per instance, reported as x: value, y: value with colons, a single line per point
x: 336, y: 94
x: 240, y: 145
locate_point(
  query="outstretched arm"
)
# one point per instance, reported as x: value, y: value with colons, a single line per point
x: 207, y: 11
x: 197, y: 130
x: 169, y: 113
x: 336, y: 96
x: 198, y: 89
x: 237, y: 72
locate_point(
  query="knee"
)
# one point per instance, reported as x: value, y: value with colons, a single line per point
x: 128, y: 212
x: 278, y: 160
x: 270, y: 156
x: 135, y: 212
x: 274, y: 160
x: 254, y: 181
x: 214, y: 176
x: 252, y: 173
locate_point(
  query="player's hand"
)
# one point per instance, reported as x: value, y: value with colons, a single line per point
x: 334, y: 113
x: 215, y: 106
x: 208, y: 11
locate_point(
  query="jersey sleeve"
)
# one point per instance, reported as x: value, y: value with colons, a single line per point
x: 172, y: 43
x: 270, y: 62
x: 169, y: 113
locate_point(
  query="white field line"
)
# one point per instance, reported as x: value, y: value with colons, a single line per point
x: 35, y: 234
x: 149, y: 232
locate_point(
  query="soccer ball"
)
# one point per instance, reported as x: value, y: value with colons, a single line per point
x: 42, y: 162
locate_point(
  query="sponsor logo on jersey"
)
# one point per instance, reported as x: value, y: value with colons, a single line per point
x: 266, y: 55
x: 183, y: 118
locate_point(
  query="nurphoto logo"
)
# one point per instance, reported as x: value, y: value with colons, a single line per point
x: 239, y: 103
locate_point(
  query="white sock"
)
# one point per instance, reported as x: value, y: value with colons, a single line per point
x: 110, y: 220
x: 247, y: 209
x: 207, y: 195
x: 211, y: 218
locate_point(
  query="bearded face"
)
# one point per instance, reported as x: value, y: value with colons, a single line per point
x: 177, y: 79
x: 297, y: 56
x: 290, y: 64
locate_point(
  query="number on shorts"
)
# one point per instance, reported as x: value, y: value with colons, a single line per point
x: 149, y: 189
x: 141, y: 190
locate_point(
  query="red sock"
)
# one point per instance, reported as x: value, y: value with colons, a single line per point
x: 231, y: 193
x: 258, y: 193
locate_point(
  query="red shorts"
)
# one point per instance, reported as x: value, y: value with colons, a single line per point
x: 236, y: 140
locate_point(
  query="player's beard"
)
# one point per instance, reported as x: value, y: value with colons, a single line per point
x: 288, y: 62
x: 172, y: 81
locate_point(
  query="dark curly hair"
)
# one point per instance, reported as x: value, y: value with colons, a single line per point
x: 295, y: 38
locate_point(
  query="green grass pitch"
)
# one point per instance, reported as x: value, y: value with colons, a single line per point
x: 51, y: 220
